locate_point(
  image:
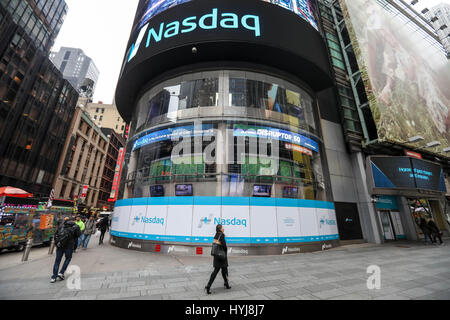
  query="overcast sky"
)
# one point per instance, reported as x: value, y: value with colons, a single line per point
x: 101, y: 28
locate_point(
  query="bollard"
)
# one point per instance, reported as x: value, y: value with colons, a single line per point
x: 26, y: 253
x: 52, y: 246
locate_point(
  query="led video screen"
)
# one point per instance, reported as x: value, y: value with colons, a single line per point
x: 407, y: 78
x: 262, y: 191
x: 157, y: 191
x: 306, y: 9
x: 183, y: 190
x: 406, y: 173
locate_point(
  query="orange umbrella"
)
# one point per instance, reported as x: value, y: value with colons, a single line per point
x: 14, y: 192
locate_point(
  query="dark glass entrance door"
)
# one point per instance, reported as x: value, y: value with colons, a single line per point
x: 348, y: 221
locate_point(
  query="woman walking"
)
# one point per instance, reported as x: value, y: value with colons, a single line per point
x: 219, y: 263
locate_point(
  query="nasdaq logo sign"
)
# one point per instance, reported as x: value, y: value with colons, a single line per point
x: 211, y: 21
x: 231, y: 222
x: 205, y: 221
x: 146, y: 220
x: 324, y: 221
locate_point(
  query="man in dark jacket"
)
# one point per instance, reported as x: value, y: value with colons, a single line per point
x: 435, y: 232
x: 103, y: 227
x: 73, y: 231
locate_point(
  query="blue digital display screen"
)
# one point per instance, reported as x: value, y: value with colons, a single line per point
x: 278, y: 134
x: 262, y: 191
x: 407, y: 173
x: 171, y: 134
x: 157, y: 191
x: 183, y: 190
x: 306, y: 9
x: 290, y: 192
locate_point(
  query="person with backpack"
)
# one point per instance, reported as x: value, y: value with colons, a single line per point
x: 65, y: 240
x: 219, y: 262
x: 89, y: 230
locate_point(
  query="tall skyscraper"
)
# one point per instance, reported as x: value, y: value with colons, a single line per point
x: 439, y: 17
x: 41, y: 20
x: 36, y: 103
x: 78, y: 68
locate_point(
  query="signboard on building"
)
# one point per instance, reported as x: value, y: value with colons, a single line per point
x: 404, y: 175
x: 46, y: 221
x: 117, y: 172
x: 413, y: 154
x: 84, y: 192
x: 406, y: 77
x: 306, y: 9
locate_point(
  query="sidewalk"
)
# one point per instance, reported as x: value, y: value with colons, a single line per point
x: 408, y: 271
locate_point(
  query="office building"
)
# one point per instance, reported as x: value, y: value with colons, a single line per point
x: 391, y: 77
x: 337, y: 129
x: 245, y: 94
x: 78, y: 68
x: 114, y: 158
x: 439, y: 17
x: 106, y: 116
x: 80, y: 169
x: 36, y: 103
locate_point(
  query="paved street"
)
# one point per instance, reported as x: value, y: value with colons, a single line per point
x: 408, y: 271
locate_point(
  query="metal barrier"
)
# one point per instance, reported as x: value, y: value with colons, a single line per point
x: 52, y: 246
x: 26, y: 253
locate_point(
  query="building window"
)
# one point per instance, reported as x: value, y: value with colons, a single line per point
x: 101, y: 118
x: 63, y: 66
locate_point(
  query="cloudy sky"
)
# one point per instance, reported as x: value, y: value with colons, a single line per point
x: 101, y: 28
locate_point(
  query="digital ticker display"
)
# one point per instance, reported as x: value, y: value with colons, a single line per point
x: 306, y: 9
x: 406, y: 173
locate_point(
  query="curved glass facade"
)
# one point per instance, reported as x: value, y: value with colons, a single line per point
x: 269, y: 123
x: 233, y: 147
x: 225, y: 93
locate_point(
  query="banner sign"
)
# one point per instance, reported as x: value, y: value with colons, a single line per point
x: 413, y: 154
x: 46, y: 221
x: 387, y: 203
x: 84, y: 192
x: 173, y: 134
x: 296, y: 148
x: 117, y: 173
x: 277, y: 134
x: 246, y: 220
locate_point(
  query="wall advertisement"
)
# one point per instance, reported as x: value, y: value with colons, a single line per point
x: 262, y: 221
x: 405, y: 76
